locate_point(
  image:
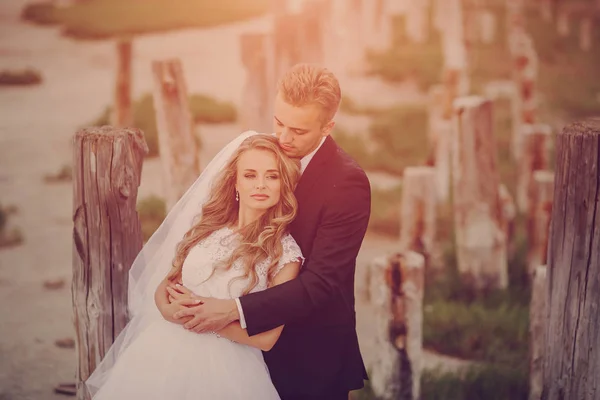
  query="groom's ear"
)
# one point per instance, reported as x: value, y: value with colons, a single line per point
x: 328, y: 128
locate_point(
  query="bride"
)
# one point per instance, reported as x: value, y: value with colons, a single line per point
x: 237, y: 243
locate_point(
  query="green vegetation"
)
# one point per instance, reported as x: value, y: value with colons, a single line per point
x: 568, y: 80
x: 204, y: 109
x: 20, y: 77
x: 486, y: 383
x: 101, y: 19
x: 12, y: 237
x: 151, y: 212
x: 405, y: 60
x: 398, y: 136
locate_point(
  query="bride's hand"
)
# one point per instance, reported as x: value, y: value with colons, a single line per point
x: 211, y: 315
x: 179, y: 292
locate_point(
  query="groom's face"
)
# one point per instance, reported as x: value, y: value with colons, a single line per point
x: 299, y: 129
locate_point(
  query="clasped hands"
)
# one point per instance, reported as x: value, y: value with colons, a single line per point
x: 199, y: 314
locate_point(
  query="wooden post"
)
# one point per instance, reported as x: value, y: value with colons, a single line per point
x: 178, y: 145
x: 435, y: 108
x: 562, y: 22
x: 106, y: 238
x: 123, y: 114
x: 439, y: 134
x: 487, y: 26
x: 538, y: 219
x: 417, y: 26
x: 454, y: 49
x: 354, y: 46
x: 259, y: 89
x: 586, y: 33
x: 572, y: 354
x: 537, y: 325
x: 288, y: 42
x: 397, y: 287
x: 546, y: 10
x: 418, y: 210
x: 509, y: 213
x: 443, y: 159
x: 478, y: 216
x: 536, y: 140
x: 525, y: 75
x: 378, y: 24
x: 314, y: 18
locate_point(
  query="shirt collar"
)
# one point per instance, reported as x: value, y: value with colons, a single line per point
x: 306, y: 159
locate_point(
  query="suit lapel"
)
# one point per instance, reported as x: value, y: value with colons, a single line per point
x: 313, y: 170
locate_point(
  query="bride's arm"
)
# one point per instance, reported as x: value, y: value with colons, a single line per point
x: 265, y: 340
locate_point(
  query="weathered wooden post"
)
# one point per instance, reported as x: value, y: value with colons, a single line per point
x: 562, y: 22
x: 106, y: 238
x: 417, y: 27
x: 123, y: 113
x: 509, y: 214
x: 538, y: 219
x: 455, y: 79
x: 439, y: 135
x: 418, y: 210
x: 313, y: 21
x: 479, y: 223
x: 525, y: 75
x: 546, y: 10
x: 586, y: 33
x: 396, y: 293
x: 259, y: 89
x: 537, y: 326
x: 535, y: 156
x: 178, y: 145
x: 487, y: 26
x: 572, y: 354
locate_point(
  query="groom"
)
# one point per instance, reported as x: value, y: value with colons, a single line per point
x: 317, y: 355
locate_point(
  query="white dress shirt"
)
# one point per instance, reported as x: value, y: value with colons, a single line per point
x: 303, y: 164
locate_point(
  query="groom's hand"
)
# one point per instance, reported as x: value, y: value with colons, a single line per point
x: 211, y: 315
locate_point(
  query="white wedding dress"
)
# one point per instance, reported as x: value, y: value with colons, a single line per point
x: 168, y: 362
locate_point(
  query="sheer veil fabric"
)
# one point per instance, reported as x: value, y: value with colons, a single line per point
x: 155, y: 259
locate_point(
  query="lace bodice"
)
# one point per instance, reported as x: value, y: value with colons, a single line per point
x: 202, y: 258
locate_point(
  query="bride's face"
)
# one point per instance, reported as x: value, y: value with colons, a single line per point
x: 258, y: 180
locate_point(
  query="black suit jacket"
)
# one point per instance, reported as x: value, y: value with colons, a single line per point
x: 318, y: 349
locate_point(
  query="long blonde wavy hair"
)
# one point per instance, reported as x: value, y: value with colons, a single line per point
x: 260, y: 239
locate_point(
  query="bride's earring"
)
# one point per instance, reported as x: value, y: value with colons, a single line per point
x: 237, y: 196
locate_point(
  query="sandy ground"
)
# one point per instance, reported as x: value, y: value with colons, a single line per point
x: 36, y: 128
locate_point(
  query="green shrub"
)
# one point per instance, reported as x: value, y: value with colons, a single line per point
x: 3, y: 218
x: 151, y: 212
x: 489, y: 382
x: 399, y: 138
x: 385, y: 211
x: 20, y: 78
x: 484, y: 383
x: 204, y: 109
x: 12, y: 237
x: 208, y: 110
x: 407, y: 60
x: 43, y: 13
x: 101, y: 19
x: 478, y: 331
x: 401, y: 141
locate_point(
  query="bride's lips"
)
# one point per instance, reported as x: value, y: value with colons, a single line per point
x: 260, y: 196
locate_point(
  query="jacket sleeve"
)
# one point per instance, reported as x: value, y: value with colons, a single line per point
x: 331, y: 262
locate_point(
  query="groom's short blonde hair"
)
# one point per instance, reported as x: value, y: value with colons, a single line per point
x: 305, y: 84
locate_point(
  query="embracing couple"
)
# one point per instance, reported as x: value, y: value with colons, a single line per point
x: 246, y: 291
